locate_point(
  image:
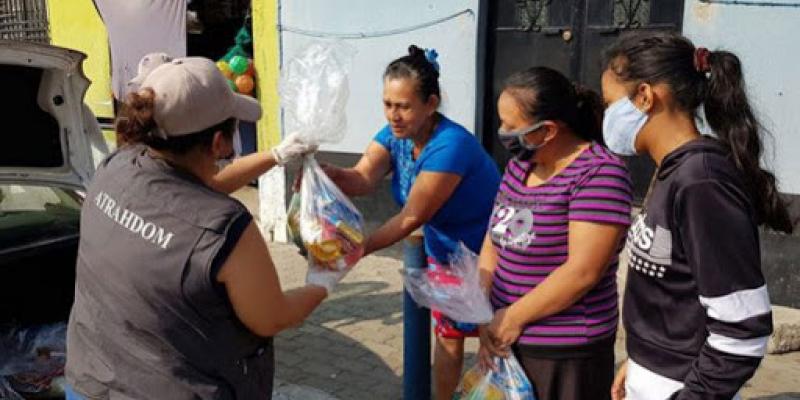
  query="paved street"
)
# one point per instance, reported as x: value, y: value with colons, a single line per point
x: 351, y: 347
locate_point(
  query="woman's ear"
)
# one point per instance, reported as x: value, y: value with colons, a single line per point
x: 221, y: 147
x: 645, y: 97
x: 550, y: 130
x: 433, y: 103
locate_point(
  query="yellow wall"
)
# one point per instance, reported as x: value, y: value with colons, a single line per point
x: 75, y: 24
x: 266, y: 46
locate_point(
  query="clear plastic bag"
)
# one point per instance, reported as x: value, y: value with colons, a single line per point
x: 454, y: 290
x: 330, y: 226
x: 31, y: 358
x: 314, y: 90
x: 508, y: 382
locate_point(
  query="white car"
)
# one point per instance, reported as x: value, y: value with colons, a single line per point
x: 52, y: 143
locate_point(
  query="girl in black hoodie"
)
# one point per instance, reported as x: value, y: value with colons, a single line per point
x: 696, y: 307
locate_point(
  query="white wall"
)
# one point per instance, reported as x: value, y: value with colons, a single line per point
x: 766, y: 41
x: 455, y: 40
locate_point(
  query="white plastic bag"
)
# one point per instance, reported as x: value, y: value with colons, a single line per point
x: 314, y: 91
x: 508, y: 382
x: 454, y: 290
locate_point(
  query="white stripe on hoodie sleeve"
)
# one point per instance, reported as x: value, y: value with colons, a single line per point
x: 738, y: 306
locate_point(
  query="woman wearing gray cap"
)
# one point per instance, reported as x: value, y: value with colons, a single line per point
x: 176, y: 294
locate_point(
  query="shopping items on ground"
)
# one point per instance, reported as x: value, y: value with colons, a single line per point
x: 314, y: 91
x: 507, y: 382
x: 453, y: 289
x: 32, y: 357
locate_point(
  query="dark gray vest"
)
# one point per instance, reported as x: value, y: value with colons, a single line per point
x: 148, y: 322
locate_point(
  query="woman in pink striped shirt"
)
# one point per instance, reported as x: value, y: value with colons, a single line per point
x: 549, y: 259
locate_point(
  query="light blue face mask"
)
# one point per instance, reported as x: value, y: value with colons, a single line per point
x: 622, y: 122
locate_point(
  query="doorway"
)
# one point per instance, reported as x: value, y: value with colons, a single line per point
x: 569, y: 36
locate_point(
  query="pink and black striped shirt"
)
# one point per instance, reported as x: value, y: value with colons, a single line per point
x: 529, y: 229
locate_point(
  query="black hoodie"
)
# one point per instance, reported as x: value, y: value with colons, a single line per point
x: 696, y: 307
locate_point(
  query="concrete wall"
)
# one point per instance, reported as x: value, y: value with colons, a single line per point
x: 764, y: 36
x: 765, y: 39
x: 381, y: 31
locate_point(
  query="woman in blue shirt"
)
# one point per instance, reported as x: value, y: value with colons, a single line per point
x: 443, y: 179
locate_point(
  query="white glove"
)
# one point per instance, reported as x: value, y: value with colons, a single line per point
x: 291, y: 147
x: 325, y: 278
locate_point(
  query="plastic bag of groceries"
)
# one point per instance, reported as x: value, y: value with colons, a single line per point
x: 454, y: 289
x: 330, y: 227
x: 507, y: 382
x: 322, y: 220
x: 30, y: 358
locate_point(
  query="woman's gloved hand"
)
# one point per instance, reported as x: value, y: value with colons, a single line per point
x: 291, y: 147
x: 325, y: 278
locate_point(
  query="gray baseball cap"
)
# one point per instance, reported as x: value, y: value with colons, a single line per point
x: 191, y: 95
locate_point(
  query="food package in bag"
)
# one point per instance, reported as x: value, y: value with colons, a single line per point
x: 453, y: 289
x: 507, y: 382
x: 331, y: 227
x: 314, y: 90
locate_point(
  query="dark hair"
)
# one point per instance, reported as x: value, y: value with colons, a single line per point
x: 417, y: 67
x: 546, y: 94
x: 669, y: 58
x: 135, y: 124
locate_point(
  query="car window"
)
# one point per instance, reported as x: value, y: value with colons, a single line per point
x: 30, y: 213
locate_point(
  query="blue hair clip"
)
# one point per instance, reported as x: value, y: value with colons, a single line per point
x: 431, y: 55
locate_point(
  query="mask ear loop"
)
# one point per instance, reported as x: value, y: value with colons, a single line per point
x: 530, y: 130
x: 521, y: 132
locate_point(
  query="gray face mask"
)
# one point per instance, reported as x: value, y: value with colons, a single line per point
x: 514, y: 141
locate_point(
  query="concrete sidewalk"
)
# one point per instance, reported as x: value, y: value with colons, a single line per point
x: 351, y: 346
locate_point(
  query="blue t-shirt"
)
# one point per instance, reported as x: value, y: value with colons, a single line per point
x: 451, y: 149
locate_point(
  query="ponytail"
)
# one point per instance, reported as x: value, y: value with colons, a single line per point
x: 589, y: 114
x: 135, y: 122
x: 729, y: 114
x: 136, y: 125
x: 698, y: 77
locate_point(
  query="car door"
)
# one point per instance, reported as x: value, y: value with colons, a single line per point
x: 49, y: 135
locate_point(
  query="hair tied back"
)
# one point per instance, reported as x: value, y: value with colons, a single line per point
x: 701, y: 63
x: 431, y: 55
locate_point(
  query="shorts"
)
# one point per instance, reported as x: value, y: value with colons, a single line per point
x: 445, y: 327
